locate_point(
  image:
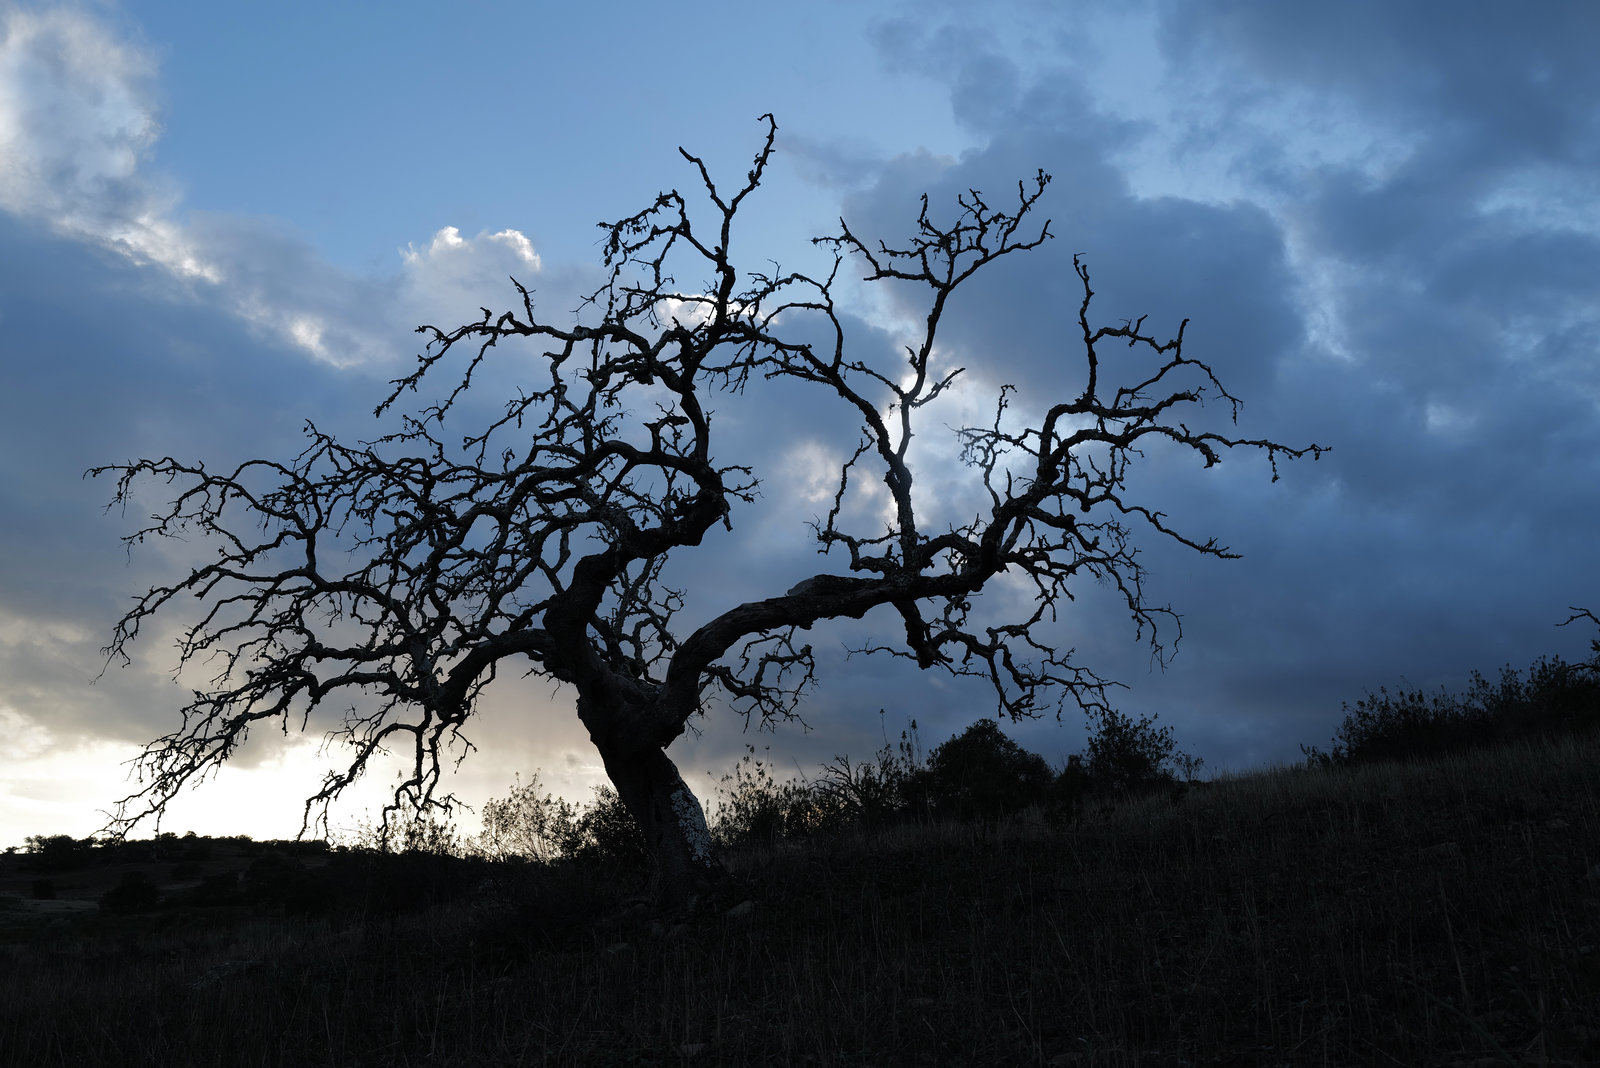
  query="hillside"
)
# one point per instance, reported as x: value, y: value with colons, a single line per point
x: 1440, y: 913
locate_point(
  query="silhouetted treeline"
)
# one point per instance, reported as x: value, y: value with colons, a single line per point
x: 978, y: 774
x: 62, y: 852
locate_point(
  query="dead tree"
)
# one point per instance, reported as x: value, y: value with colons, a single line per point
x: 395, y: 576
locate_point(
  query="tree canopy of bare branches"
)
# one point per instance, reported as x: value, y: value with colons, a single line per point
x: 395, y: 576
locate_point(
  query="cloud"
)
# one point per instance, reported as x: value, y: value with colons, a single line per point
x: 448, y: 280
x: 105, y: 360
x: 1389, y: 282
x: 1382, y: 232
x: 76, y: 127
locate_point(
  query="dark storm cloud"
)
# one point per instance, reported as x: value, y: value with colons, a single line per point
x: 1509, y: 82
x: 1464, y: 404
x: 104, y: 361
x: 1427, y: 306
x: 1439, y: 338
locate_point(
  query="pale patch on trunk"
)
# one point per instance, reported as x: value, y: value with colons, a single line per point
x: 692, y: 818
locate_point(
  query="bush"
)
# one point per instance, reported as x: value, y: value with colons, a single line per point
x: 274, y: 881
x: 1071, y: 786
x: 133, y: 893
x: 541, y: 827
x: 1128, y: 756
x: 219, y: 889
x: 892, y: 787
x: 527, y: 823
x: 756, y: 809
x: 425, y: 832
x: 983, y: 773
x: 604, y: 833
x: 1555, y: 698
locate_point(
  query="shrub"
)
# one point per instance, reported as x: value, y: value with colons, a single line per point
x: 425, y: 832
x: 219, y: 889
x: 893, y: 786
x: 1071, y: 785
x: 430, y: 834
x: 526, y: 823
x: 1555, y: 698
x: 605, y: 833
x: 983, y: 773
x: 1128, y: 756
x: 542, y: 827
x: 756, y: 809
x: 134, y: 892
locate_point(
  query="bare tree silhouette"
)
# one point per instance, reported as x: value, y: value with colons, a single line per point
x: 395, y: 576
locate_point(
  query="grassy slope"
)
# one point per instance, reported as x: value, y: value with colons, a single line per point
x: 1441, y: 914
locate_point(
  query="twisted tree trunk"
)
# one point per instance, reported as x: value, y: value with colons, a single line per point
x: 683, y: 864
x: 631, y: 730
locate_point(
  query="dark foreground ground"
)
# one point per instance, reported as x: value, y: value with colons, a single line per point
x: 1443, y: 914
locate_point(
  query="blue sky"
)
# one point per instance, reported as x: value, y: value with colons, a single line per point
x: 1382, y: 223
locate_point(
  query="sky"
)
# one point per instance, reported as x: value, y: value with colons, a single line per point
x: 1381, y: 219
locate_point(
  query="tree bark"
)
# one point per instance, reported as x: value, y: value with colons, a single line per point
x: 683, y: 864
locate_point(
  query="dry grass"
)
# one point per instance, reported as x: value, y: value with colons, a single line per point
x: 1444, y: 914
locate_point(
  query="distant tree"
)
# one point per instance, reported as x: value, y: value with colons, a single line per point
x: 396, y: 576
x: 56, y: 852
x: 981, y: 772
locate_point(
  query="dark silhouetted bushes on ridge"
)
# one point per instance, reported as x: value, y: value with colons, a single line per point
x: 1554, y: 698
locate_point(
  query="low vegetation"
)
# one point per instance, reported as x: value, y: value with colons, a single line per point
x: 1437, y: 905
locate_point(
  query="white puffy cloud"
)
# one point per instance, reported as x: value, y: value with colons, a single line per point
x: 78, y: 125
x: 448, y: 280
